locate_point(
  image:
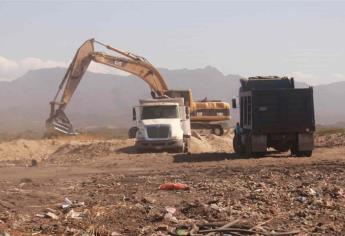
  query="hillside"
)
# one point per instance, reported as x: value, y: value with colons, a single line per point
x: 106, y: 100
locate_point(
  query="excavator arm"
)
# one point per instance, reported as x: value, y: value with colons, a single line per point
x: 127, y: 62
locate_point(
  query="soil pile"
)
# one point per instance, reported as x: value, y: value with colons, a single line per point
x: 22, y: 150
x: 330, y: 140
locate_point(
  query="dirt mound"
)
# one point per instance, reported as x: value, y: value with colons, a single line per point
x: 211, y: 143
x: 74, y: 150
x: 24, y: 150
x: 58, y: 150
x: 330, y: 140
x: 87, y: 150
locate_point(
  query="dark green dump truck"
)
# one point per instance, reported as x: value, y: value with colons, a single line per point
x: 274, y: 114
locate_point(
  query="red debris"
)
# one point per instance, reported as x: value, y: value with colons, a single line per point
x: 173, y: 186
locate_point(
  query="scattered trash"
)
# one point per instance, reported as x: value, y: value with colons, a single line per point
x: 312, y: 192
x: 170, y: 210
x: 341, y: 192
x: 301, y: 199
x: 131, y: 204
x: 148, y: 200
x: 52, y: 215
x: 75, y: 215
x: 215, y: 207
x: 40, y: 215
x: 48, y: 215
x: 162, y: 228
x: 228, y: 229
x: 182, y: 232
x: 173, y: 186
x: 114, y: 233
x: 67, y: 203
x: 4, y: 233
x: 50, y: 210
x: 170, y: 217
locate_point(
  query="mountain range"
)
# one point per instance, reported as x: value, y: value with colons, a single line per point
x: 107, y: 100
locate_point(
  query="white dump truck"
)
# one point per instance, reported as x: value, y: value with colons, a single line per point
x: 162, y: 124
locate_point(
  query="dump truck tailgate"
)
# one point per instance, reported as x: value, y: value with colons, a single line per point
x: 283, y: 110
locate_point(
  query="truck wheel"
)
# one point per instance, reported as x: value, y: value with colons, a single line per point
x: 218, y: 130
x: 304, y: 153
x: 308, y: 153
x: 298, y: 153
x: 259, y: 154
x: 248, y: 148
x: 238, y: 148
x: 139, y: 150
x: 186, y: 145
x: 180, y: 149
x: 132, y: 132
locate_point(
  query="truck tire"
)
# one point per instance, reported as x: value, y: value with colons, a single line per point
x: 139, y: 150
x: 308, y: 153
x: 218, y: 130
x: 248, y: 147
x: 259, y: 154
x: 186, y: 145
x: 132, y: 132
x: 180, y: 149
x: 304, y: 153
x: 298, y: 153
x: 237, y: 146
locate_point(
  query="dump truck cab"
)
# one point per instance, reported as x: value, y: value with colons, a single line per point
x: 162, y: 124
x: 274, y: 114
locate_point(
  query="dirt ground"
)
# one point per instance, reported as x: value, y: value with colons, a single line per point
x: 112, y: 190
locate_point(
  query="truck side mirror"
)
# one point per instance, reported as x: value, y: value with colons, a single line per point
x: 234, y: 105
x: 187, y: 112
x: 134, y: 114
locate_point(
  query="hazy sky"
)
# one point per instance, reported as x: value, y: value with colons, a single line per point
x: 301, y: 39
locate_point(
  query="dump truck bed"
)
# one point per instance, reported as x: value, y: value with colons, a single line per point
x: 278, y: 110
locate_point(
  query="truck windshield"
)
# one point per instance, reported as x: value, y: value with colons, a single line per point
x: 159, y: 112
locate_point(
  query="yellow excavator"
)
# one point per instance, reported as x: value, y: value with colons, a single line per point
x: 205, y: 114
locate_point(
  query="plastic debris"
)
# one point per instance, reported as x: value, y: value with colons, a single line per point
x: 75, y: 215
x: 170, y: 217
x: 170, y: 210
x: 173, y: 186
x: 48, y: 215
x: 182, y: 232
x: 4, y: 233
x: 67, y: 203
x: 114, y: 233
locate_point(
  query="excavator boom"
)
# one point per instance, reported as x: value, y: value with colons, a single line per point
x: 128, y: 62
x: 206, y: 114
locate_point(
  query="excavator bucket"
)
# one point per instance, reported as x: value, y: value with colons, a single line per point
x: 59, y: 123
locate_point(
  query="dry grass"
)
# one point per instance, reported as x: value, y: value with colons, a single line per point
x: 329, y: 130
